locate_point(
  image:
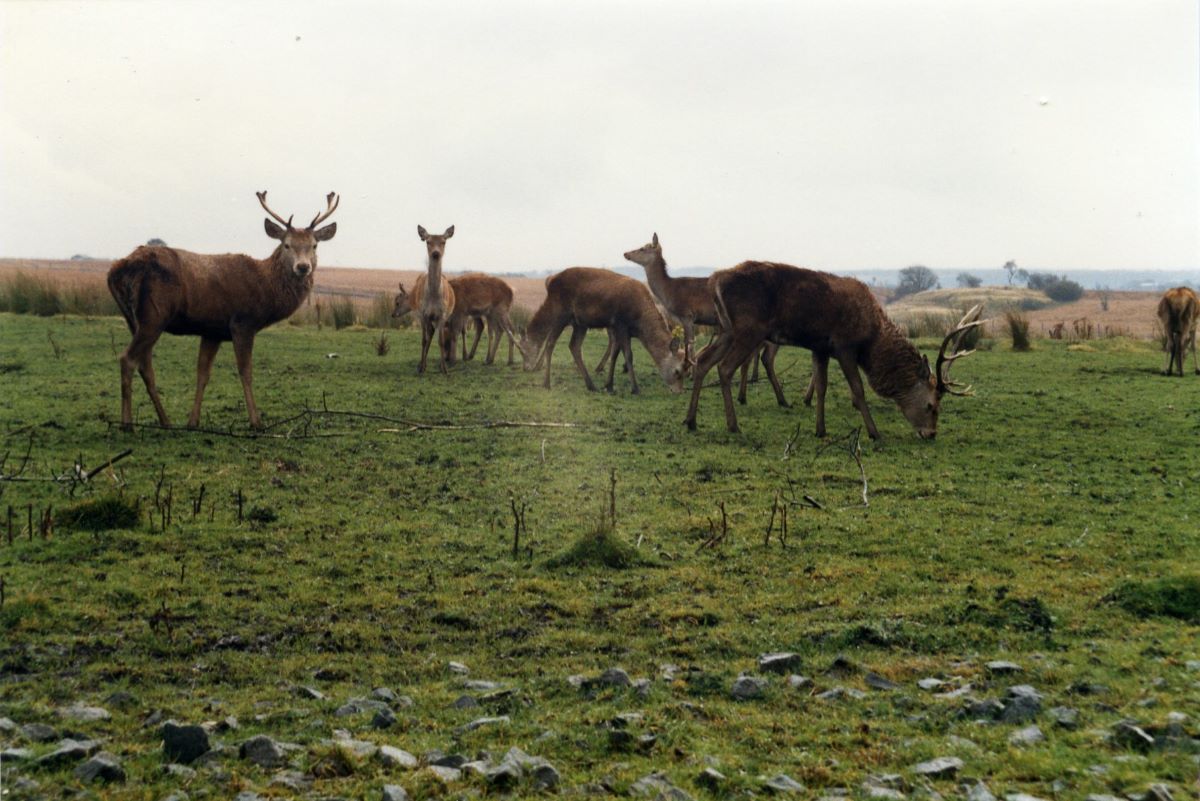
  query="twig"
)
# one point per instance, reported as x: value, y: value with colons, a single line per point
x: 850, y: 444
x: 717, y: 537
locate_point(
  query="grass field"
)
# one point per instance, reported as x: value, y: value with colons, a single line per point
x: 371, y: 553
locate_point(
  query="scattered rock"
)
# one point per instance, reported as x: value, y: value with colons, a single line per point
x: 747, y: 687
x: 987, y: 709
x: 393, y: 757
x: 797, y: 682
x: 783, y: 785
x: 38, y: 732
x: 103, y: 767
x: 841, y: 667
x: 1127, y: 735
x: 545, y: 777
x: 357, y: 706
x: 642, y: 687
x: 956, y: 693
x: 877, y: 682
x: 465, y: 702
x: 979, y: 792
x: 1001, y: 668
x: 385, y: 694
x: 658, y: 787
x: 15, y: 755
x: 445, y: 774
x: 477, y: 686
x: 7, y: 726
x: 183, y: 744
x: 68, y: 751
x: 1026, y: 736
x: 1024, y: 703
x: 1102, y: 797
x: 1065, y: 717
x: 930, y: 684
x: 384, y: 718
x: 394, y: 792
x: 458, y: 668
x: 310, y: 693
x: 247, y: 795
x: 1021, y: 797
x: 502, y: 776
x: 262, y: 751
x: 82, y: 713
x: 292, y: 780
x: 481, y: 722
x: 711, y: 778
x: 181, y: 772
x: 882, y: 793
x: 330, y: 674
x: 940, y: 768
x: 780, y: 662
x: 121, y: 699
x: 1159, y: 792
x: 837, y: 693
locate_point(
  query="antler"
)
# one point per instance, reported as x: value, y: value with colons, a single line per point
x: 331, y: 203
x: 944, y: 384
x: 262, y: 198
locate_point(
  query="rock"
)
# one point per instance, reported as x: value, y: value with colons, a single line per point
x: 394, y: 792
x: 877, y: 682
x: 1065, y: 717
x: 545, y: 777
x: 797, y: 682
x: 181, y: 772
x: 15, y: 755
x: 987, y: 709
x: 642, y: 687
x: 711, y: 778
x: 68, y: 751
x: 479, y: 723
x: 883, y: 793
x: 103, y: 767
x: 458, y: 668
x: 837, y: 693
x: 262, y: 751
x: 7, y: 726
x: 465, y: 702
x: 1087, y: 688
x: 330, y: 674
x: 385, y: 694
x: 503, y: 776
x: 228, y: 723
x: 1127, y: 735
x: 292, y: 780
x: 614, y: 677
x: 1023, y: 704
x: 178, y: 795
x: 38, y: 732
x: 82, y: 713
x: 1159, y: 792
x: 393, y: 757
x: 1102, y: 797
x: 1001, y: 668
x: 183, y: 744
x: 940, y: 768
x: 783, y: 785
x: 356, y: 706
x: 962, y: 742
x: 979, y: 792
x: 477, y: 686
x: 359, y: 749
x: 121, y: 699
x: 658, y: 787
x: 1026, y: 736
x: 930, y: 684
x: 956, y: 693
x: 310, y: 693
x: 445, y: 774
x: 384, y: 718
x: 746, y: 687
x: 1021, y: 797
x: 247, y: 795
x: 781, y: 662
x: 841, y: 667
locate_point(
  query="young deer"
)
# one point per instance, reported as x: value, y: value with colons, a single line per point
x: 833, y: 317
x: 1178, y: 311
x: 434, y: 297
x: 585, y: 297
x: 221, y: 298
x: 479, y: 298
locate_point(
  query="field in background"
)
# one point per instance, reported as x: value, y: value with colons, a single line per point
x: 1130, y: 314
x: 367, y: 541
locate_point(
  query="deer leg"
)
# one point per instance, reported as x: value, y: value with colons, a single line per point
x: 627, y: 348
x: 441, y: 332
x: 208, y: 352
x: 578, y: 332
x: 767, y: 355
x: 426, y: 333
x: 478, y: 333
x: 711, y: 354
x: 495, y: 337
x: 609, y: 352
x: 243, y: 350
x: 736, y: 356
x: 548, y: 351
x: 144, y: 356
x: 610, y: 358
x: 138, y: 357
x: 506, y: 327
x: 745, y: 373
x: 850, y: 368
x: 689, y: 344
x: 818, y: 383
x: 762, y: 352
x: 1195, y: 365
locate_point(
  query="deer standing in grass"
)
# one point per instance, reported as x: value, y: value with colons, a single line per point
x: 585, y: 297
x: 219, y: 298
x: 833, y: 317
x: 434, y: 297
x: 690, y: 302
x: 482, y: 298
x: 1178, y: 312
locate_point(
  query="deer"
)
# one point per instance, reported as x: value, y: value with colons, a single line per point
x: 219, y: 298
x: 482, y: 298
x: 1178, y: 311
x: 832, y: 316
x: 689, y: 301
x: 587, y: 297
x: 434, y: 297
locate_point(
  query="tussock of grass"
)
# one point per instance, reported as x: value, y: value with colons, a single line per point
x: 599, y: 548
x: 100, y: 514
x: 1173, y: 596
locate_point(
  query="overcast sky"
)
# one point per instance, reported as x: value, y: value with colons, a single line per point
x: 836, y: 134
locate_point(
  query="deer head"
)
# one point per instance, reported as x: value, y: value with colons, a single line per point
x: 403, y: 303
x: 435, y: 246
x: 673, y: 370
x: 297, y: 252
x: 922, y: 403
x: 646, y: 254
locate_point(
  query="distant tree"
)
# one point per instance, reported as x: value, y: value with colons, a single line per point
x: 968, y: 280
x: 156, y: 242
x: 1063, y: 290
x: 1010, y: 267
x: 1040, y: 281
x: 917, y: 278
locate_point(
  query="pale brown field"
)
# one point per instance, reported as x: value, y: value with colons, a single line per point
x: 1129, y: 313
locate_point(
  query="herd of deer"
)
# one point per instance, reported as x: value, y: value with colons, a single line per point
x: 756, y: 307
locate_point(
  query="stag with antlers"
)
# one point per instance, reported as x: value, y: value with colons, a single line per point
x: 834, y: 317
x: 219, y: 298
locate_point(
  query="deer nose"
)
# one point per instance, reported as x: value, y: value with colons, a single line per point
x: 435, y: 254
x: 302, y: 269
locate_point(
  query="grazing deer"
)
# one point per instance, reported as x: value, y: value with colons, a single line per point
x: 434, y: 297
x: 230, y: 297
x: 481, y: 298
x: 1178, y: 311
x: 585, y: 297
x: 831, y: 316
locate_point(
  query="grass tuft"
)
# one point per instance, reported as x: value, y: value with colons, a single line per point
x: 599, y: 548
x: 100, y: 514
x: 1173, y: 596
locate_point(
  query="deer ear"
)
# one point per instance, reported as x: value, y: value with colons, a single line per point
x: 273, y: 230
x: 326, y: 233
x: 449, y: 232
x: 925, y: 363
x: 421, y: 232
x: 654, y: 241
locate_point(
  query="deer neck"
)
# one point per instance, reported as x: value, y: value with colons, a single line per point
x: 655, y: 335
x: 433, y: 283
x: 892, y: 363
x: 657, y: 278
x: 291, y: 288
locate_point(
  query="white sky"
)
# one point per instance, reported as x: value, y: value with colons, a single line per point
x: 838, y: 134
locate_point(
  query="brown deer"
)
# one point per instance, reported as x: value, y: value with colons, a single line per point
x: 229, y: 297
x: 585, y: 297
x: 1178, y: 311
x: 434, y: 297
x: 482, y: 298
x: 831, y: 316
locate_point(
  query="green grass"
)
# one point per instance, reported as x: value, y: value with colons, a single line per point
x: 377, y: 551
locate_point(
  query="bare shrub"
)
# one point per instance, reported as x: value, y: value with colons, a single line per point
x: 382, y: 346
x: 343, y: 311
x: 1057, y: 330
x: 1083, y: 329
x: 1018, y: 329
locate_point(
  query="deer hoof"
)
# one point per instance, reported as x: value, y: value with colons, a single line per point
x: 691, y: 424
